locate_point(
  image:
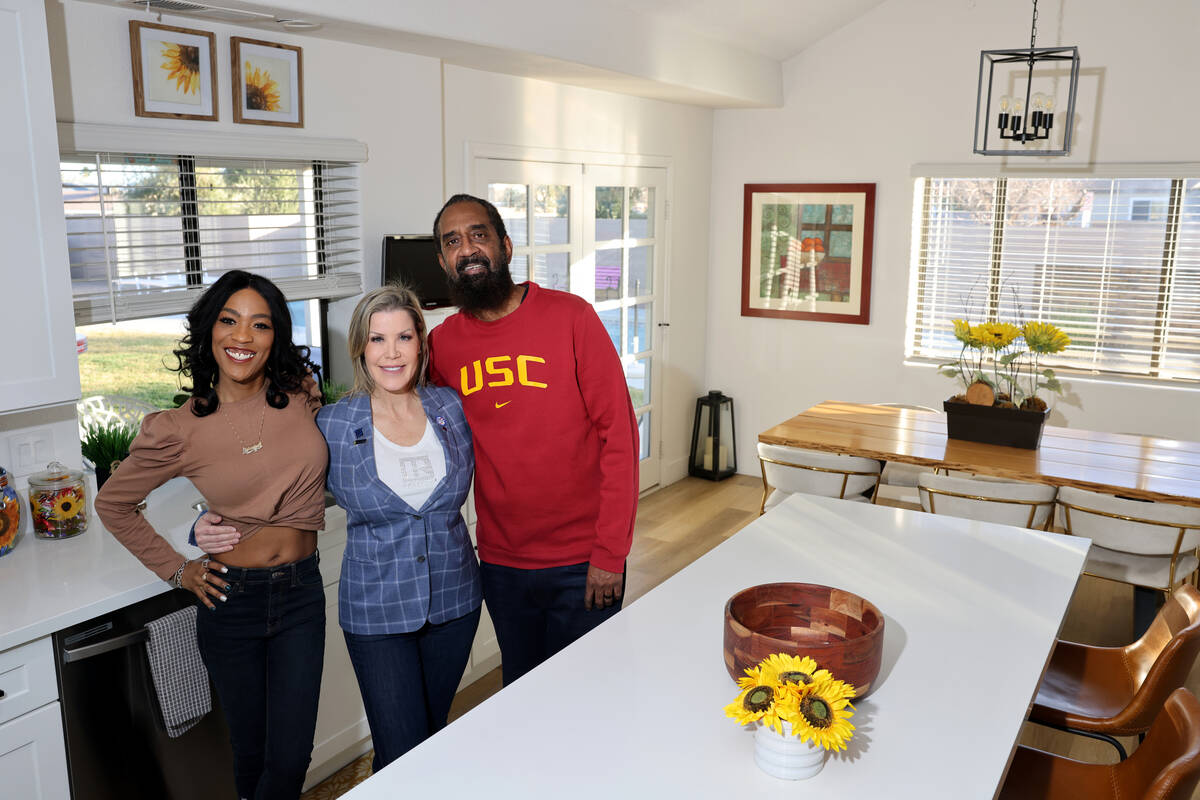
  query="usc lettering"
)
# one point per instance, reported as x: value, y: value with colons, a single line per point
x: 472, y: 381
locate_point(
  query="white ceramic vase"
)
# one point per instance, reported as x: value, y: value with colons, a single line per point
x: 786, y: 756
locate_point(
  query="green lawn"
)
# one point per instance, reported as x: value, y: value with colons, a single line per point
x: 129, y: 363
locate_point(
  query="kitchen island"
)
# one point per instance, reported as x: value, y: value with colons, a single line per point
x: 634, y: 709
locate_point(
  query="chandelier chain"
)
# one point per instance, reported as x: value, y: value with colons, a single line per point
x: 1033, y: 27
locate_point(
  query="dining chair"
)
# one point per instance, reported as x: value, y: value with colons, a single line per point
x: 1136, y: 542
x: 1026, y: 505
x: 899, y: 480
x: 1165, y: 767
x: 1104, y: 692
x: 107, y: 409
x: 794, y: 470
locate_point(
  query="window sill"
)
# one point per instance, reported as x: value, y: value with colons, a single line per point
x: 1081, y: 376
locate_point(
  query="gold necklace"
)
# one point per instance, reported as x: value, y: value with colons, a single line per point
x: 248, y: 449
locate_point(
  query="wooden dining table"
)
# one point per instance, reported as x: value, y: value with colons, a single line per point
x: 1143, y: 467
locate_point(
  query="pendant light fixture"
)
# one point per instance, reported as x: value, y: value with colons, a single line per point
x: 1020, y: 108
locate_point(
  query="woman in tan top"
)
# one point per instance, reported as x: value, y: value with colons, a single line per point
x: 248, y: 441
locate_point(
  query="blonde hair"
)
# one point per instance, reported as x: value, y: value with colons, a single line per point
x: 389, y: 297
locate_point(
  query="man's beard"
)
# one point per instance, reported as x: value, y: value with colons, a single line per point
x: 486, y: 291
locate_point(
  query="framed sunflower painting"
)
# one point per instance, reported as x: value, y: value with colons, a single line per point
x: 174, y: 74
x: 268, y: 83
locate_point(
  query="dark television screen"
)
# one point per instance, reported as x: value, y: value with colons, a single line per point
x: 413, y: 260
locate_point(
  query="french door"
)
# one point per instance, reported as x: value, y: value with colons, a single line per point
x: 598, y: 232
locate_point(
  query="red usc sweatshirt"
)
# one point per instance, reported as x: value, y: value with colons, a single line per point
x: 556, y: 441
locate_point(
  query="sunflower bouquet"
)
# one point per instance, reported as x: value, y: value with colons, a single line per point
x: 1002, y: 361
x: 790, y: 689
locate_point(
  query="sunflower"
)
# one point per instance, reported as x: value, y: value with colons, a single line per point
x: 66, y: 506
x: 781, y: 669
x: 995, y: 335
x: 8, y: 528
x: 1042, y: 337
x: 182, y: 62
x: 760, y: 702
x: 262, y: 93
x: 821, y: 714
x: 962, y: 332
x: 755, y: 676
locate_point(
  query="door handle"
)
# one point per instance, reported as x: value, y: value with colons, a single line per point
x: 107, y: 646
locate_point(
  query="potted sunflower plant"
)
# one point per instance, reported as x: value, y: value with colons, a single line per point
x: 801, y: 712
x: 999, y: 366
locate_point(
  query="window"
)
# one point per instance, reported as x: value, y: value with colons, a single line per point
x: 131, y: 358
x: 1114, y: 262
x: 147, y: 232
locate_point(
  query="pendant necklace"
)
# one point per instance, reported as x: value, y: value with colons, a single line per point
x: 248, y: 449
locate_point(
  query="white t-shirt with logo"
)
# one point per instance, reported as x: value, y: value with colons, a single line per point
x: 412, y: 472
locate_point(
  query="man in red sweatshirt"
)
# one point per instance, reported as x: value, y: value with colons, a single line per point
x: 556, y: 442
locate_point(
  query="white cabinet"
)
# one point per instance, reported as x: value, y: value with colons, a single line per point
x: 40, y: 364
x: 342, y: 731
x: 33, y: 759
x: 485, y: 651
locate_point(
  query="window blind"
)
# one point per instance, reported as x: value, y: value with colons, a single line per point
x: 147, y: 232
x: 1113, y: 262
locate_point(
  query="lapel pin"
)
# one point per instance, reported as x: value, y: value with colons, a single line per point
x: 440, y: 421
x: 359, y: 436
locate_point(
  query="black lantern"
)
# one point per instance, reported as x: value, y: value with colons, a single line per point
x: 713, y: 453
x: 1018, y: 104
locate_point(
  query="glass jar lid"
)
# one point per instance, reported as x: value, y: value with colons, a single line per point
x: 55, y: 476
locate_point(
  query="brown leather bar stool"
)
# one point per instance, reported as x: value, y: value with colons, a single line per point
x: 1165, y: 767
x: 1104, y: 692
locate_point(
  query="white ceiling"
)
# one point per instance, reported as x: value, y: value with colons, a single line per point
x: 777, y: 29
x: 716, y: 53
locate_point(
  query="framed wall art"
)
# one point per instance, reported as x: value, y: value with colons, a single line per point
x: 806, y: 251
x: 268, y: 83
x: 174, y: 74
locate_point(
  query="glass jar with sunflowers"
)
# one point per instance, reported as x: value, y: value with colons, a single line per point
x: 58, y: 502
x: 801, y: 711
x: 1000, y: 363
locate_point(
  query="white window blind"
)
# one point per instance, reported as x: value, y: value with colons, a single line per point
x: 1113, y: 262
x: 147, y: 232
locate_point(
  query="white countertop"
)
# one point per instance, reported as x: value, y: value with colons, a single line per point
x: 48, y: 584
x: 634, y: 709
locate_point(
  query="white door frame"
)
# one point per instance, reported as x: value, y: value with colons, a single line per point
x: 476, y: 150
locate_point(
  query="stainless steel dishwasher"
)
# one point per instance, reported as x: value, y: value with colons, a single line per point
x: 117, y: 746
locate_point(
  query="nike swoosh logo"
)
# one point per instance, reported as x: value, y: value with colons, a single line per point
x: 502, y: 405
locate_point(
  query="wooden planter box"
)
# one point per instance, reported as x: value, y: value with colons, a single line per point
x: 1010, y: 427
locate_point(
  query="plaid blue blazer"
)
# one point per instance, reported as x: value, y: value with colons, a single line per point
x: 402, y: 565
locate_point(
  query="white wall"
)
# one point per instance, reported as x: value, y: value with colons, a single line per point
x: 387, y: 99
x: 897, y: 87
x: 487, y: 108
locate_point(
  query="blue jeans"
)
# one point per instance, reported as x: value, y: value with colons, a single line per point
x: 538, y: 612
x: 408, y: 681
x: 264, y: 649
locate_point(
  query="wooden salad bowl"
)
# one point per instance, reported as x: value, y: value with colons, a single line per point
x: 841, y: 631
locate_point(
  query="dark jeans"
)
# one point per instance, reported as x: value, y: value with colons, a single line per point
x: 538, y: 612
x: 264, y: 649
x: 408, y: 681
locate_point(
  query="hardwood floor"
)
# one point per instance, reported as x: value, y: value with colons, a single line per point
x: 681, y: 522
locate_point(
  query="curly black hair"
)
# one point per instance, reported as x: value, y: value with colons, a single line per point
x: 288, y: 364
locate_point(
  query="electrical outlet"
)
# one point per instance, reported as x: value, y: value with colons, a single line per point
x: 30, y: 450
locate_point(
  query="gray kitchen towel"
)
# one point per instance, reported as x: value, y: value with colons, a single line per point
x: 180, y: 679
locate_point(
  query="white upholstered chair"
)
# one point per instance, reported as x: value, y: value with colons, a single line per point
x: 1141, y: 543
x: 105, y: 409
x: 794, y: 470
x: 1026, y: 505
